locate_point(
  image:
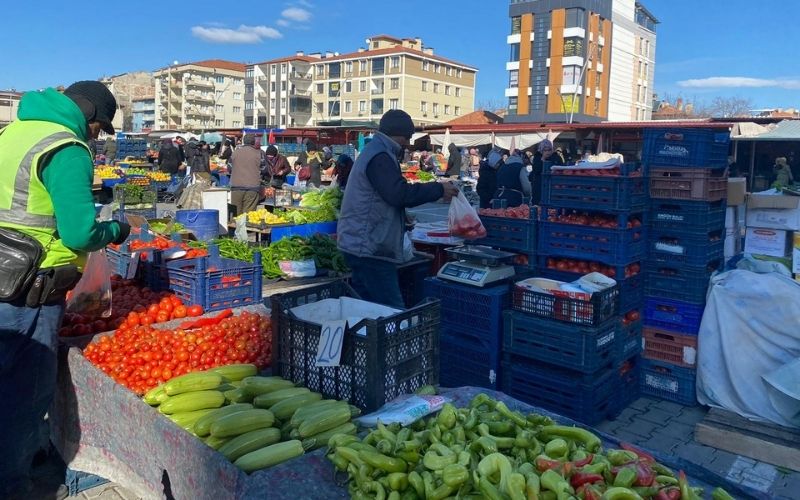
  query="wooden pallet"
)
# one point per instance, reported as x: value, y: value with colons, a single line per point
x: 768, y: 443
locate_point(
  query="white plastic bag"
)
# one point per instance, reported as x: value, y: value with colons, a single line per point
x: 408, y: 247
x: 92, y: 295
x: 298, y: 268
x: 463, y: 220
x: 404, y: 410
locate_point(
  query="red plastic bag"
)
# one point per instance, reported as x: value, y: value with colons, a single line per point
x: 92, y: 295
x: 463, y: 219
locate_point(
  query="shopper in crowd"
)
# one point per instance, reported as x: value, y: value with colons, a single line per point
x: 168, y: 157
x: 344, y: 164
x: 453, y: 162
x: 197, y: 159
x: 180, y: 143
x: 314, y: 160
x: 371, y: 228
x: 544, y: 151
x: 487, y: 178
x: 246, y: 176
x: 277, y: 167
x: 783, y: 174
x: 512, y: 182
x: 53, y: 210
x: 474, y: 162
x: 93, y: 148
x: 110, y: 149
x: 225, y: 151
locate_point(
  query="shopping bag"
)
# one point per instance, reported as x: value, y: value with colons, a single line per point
x: 92, y: 295
x: 463, y: 219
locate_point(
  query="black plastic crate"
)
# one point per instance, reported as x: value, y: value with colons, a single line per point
x: 585, y: 349
x: 698, y: 216
x: 686, y: 147
x: 684, y: 283
x: 587, y: 398
x: 602, y: 193
x: 685, y: 247
x: 411, y: 276
x: 467, y: 358
x: 601, y: 307
x: 668, y: 381
x: 397, y: 355
x: 465, y: 307
x: 673, y: 315
x: 631, y: 289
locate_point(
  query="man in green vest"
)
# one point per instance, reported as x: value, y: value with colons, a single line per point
x: 46, y: 174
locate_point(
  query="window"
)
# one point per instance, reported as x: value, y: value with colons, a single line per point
x: 221, y: 93
x: 362, y: 106
x: 237, y: 109
x: 513, y: 79
x: 647, y: 48
x: 512, y: 105
x: 248, y: 88
x: 333, y: 89
x: 248, y: 105
x: 348, y: 106
x: 576, y: 18
x: 237, y: 95
x: 514, y: 52
x: 283, y: 86
x: 516, y: 25
x: 220, y: 79
x: 283, y: 119
x: 457, y: 111
x: 424, y: 86
x: 447, y: 90
x: 348, y: 68
x: 573, y: 46
x: 335, y: 70
x: 237, y: 124
x: 394, y: 103
x: 362, y: 65
x: 272, y: 87
x: 449, y: 71
x: 394, y: 84
x: 283, y: 68
x: 599, y: 54
x: 272, y: 103
x: 320, y: 88
x: 459, y: 73
x: 272, y: 70
x: 571, y: 75
x: 395, y: 62
x: 283, y: 104
x: 249, y: 73
x: 320, y: 70
x: 447, y: 109
x: 423, y: 106
x: 458, y: 91
x: 333, y: 108
x: 646, y: 71
x: 377, y: 66
x: 435, y: 109
x: 376, y: 107
x: 218, y: 123
x: 362, y: 86
x: 426, y: 66
x: 272, y: 119
x: 348, y: 86
x: 248, y: 121
x: 318, y: 107
x: 219, y: 108
x: 435, y: 88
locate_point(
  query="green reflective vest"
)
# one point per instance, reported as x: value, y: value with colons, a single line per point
x: 25, y: 204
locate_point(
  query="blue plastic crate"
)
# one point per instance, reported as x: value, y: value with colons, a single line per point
x: 78, y: 481
x: 684, y: 283
x: 629, y: 373
x: 600, y: 193
x: 629, y: 340
x: 686, y: 147
x: 467, y: 358
x: 466, y: 307
x: 147, y: 213
x: 507, y: 233
x: 212, y: 282
x: 306, y: 230
x: 411, y: 276
x: 683, y: 215
x: 615, y: 247
x: 587, y: 398
x: 673, y: 315
x: 668, y: 381
x: 586, y: 349
x: 685, y: 247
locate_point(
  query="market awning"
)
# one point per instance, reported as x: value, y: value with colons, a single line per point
x: 747, y: 130
x: 787, y: 130
x: 521, y: 141
x: 370, y: 124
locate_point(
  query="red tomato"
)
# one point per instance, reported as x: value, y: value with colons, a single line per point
x: 194, y: 311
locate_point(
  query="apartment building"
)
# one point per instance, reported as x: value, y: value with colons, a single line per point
x: 580, y: 61
x: 390, y: 73
x: 9, y: 104
x: 143, y: 115
x: 200, y: 95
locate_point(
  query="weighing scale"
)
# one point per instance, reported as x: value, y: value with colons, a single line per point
x: 477, y: 265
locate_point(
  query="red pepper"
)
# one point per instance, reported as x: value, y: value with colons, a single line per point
x: 581, y: 478
x: 542, y: 464
x: 644, y: 475
x: 585, y: 461
x: 214, y: 320
x: 643, y: 456
x: 592, y: 493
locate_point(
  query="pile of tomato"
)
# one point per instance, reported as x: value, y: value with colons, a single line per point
x: 631, y: 317
x: 142, y: 357
x: 590, y: 219
x: 143, y: 247
x: 131, y: 304
x: 584, y: 267
x: 594, y: 172
x: 520, y: 212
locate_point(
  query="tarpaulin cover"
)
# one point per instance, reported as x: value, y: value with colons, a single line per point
x: 750, y: 328
x: 521, y: 141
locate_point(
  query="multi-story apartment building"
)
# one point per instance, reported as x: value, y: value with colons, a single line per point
x: 144, y: 114
x: 390, y: 73
x: 9, y: 103
x: 580, y: 60
x: 200, y: 95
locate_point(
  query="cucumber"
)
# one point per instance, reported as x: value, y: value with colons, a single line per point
x: 309, y: 410
x: 191, y: 382
x: 250, y: 441
x: 155, y: 396
x: 241, y: 422
x: 321, y: 439
x: 235, y: 372
x: 203, y: 426
x: 283, y: 410
x: 323, y: 421
x: 191, y: 401
x: 255, y: 386
x: 269, y: 456
x: 189, y: 418
x: 269, y: 399
x: 215, y: 442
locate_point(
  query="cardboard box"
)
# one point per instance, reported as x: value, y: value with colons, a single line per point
x: 766, y: 241
x: 773, y: 211
x: 737, y: 190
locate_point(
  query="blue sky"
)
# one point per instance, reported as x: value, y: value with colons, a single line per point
x: 705, y: 48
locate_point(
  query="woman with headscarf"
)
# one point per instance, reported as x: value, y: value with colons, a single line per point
x: 277, y: 167
x: 344, y: 164
x: 225, y: 151
x: 453, y: 162
x: 512, y: 182
x: 487, y: 177
x: 168, y: 157
x: 544, y: 153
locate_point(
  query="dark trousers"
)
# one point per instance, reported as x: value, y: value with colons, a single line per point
x: 375, y: 280
x: 28, y: 342
x: 244, y: 201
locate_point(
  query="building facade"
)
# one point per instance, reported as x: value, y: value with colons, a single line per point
x: 144, y: 114
x: 391, y: 73
x: 200, y: 95
x: 9, y: 104
x: 580, y: 61
x: 126, y: 88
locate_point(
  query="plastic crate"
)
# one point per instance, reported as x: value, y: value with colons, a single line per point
x: 686, y: 147
x: 507, y: 233
x: 629, y: 342
x: 683, y: 215
x: 684, y: 283
x: 305, y: 230
x: 601, y: 307
x: 629, y: 373
x: 631, y: 289
x: 585, y: 349
x: 667, y: 381
x: 608, y: 194
x: 685, y: 247
x: 471, y: 308
x: 125, y: 199
x: 467, y: 358
x: 78, y: 481
x: 212, y: 282
x: 616, y: 247
x: 397, y: 355
x: 695, y: 184
x: 670, y: 347
x: 673, y: 315
x: 588, y: 398
x: 411, y: 276
x: 121, y: 214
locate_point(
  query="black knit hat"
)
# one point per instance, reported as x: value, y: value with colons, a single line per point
x: 96, y: 102
x: 396, y: 122
x: 272, y: 150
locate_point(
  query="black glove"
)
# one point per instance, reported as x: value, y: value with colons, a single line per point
x: 124, y: 231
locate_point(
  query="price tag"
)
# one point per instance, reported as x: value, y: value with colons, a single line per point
x: 329, y: 350
x: 133, y: 266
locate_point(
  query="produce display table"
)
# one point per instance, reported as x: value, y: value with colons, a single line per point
x: 278, y: 231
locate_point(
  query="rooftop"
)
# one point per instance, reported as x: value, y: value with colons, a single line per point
x: 397, y: 50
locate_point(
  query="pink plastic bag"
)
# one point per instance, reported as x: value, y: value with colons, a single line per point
x: 463, y: 219
x: 92, y: 294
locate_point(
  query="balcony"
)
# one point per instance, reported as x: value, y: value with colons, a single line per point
x: 302, y: 93
x: 300, y: 76
x: 197, y: 82
x: 193, y: 96
x: 377, y: 91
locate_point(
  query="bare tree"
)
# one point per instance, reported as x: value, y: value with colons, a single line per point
x: 490, y: 105
x: 729, y: 107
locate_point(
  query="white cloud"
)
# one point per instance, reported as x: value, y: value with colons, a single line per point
x: 282, y: 22
x: 740, y: 82
x: 242, y: 34
x: 296, y: 14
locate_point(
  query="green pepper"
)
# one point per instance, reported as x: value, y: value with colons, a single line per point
x: 666, y: 480
x: 447, y: 417
x: 661, y: 470
x: 410, y: 457
x: 410, y: 445
x: 339, y: 462
x: 488, y: 490
x: 591, y: 442
x: 454, y: 475
x: 485, y: 444
x: 491, y: 416
x: 515, y: 486
x: 361, y: 446
x: 501, y: 428
x: 436, y: 432
x: 385, y: 433
x: 464, y: 458
x: 349, y: 454
x: 472, y: 420
x: 434, y: 461
x: 720, y: 494
x: 625, y: 477
x: 403, y: 435
x: 597, y: 468
x: 341, y: 440
x: 416, y: 482
x: 557, y: 449
x: 459, y: 434
x: 375, y: 488
x: 382, y: 462
x: 398, y: 481
x: 393, y: 495
x: 532, y: 483
x: 385, y: 446
x: 553, y: 481
x: 518, y: 419
x: 482, y: 400
x: 621, y: 457
x: 538, y: 420
x: 502, y: 442
x: 410, y: 494
x: 617, y: 493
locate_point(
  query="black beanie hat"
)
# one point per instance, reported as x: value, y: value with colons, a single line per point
x: 396, y: 122
x: 95, y: 101
x: 272, y: 151
x: 249, y: 140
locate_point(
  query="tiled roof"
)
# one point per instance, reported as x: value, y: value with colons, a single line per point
x: 479, y: 117
x: 220, y: 64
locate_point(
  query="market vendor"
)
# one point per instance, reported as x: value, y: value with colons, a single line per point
x: 246, y: 176
x: 46, y: 206
x: 371, y: 229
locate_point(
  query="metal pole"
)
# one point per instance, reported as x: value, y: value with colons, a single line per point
x: 752, y: 165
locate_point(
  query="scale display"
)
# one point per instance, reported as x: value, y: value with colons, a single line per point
x: 474, y: 274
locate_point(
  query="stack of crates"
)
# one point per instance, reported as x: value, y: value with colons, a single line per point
x: 136, y: 148
x: 688, y: 191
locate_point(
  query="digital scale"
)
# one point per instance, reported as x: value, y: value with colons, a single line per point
x: 477, y: 265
